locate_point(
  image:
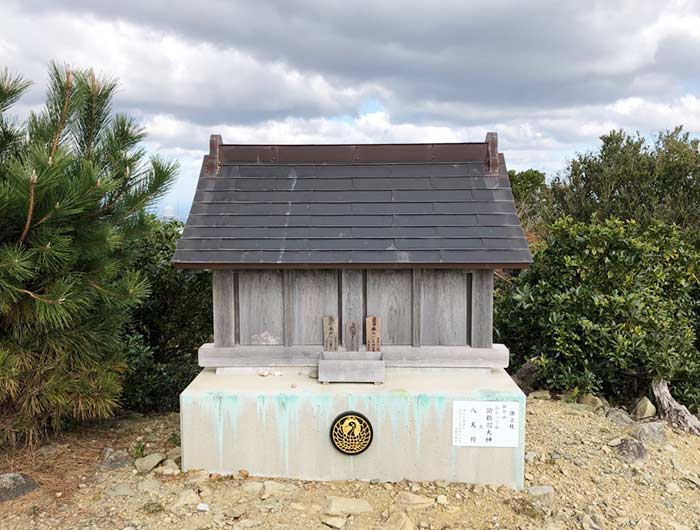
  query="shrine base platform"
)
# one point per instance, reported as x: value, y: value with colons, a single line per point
x: 279, y: 425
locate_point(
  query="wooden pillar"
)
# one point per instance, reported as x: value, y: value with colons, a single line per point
x: 482, y: 309
x: 224, y: 308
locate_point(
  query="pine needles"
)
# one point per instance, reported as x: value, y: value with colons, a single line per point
x: 74, y: 186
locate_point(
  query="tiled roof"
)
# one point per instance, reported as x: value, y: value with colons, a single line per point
x: 393, y: 205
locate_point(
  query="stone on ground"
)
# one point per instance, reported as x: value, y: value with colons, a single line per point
x: 398, y: 521
x: 412, y: 501
x: 150, y: 485
x: 345, y: 506
x: 169, y: 467
x: 619, y: 417
x: 653, y: 432
x: 644, y: 409
x: 252, y: 488
x: 147, y: 463
x: 13, y: 485
x: 540, y: 491
x: 273, y: 488
x: 591, y: 401
x: 174, y: 454
x: 334, y: 521
x: 186, y: 498
x: 441, y: 500
x: 114, y: 459
x: 631, y: 451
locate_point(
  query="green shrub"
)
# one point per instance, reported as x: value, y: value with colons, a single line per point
x: 170, y: 325
x: 607, y: 308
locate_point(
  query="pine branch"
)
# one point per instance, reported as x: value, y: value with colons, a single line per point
x: 30, y: 213
x: 64, y: 115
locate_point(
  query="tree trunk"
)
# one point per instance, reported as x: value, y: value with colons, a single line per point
x: 672, y: 411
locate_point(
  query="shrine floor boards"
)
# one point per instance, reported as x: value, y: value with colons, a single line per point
x: 279, y: 425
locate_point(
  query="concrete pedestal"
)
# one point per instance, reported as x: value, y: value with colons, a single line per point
x: 278, y: 426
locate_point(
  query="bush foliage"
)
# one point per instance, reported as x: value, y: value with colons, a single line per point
x: 607, y: 307
x: 169, y: 326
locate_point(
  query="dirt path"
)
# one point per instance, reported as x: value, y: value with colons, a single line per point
x: 571, y: 449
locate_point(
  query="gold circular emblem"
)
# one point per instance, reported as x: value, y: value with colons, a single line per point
x: 351, y: 433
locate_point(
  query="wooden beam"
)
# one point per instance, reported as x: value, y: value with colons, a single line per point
x: 395, y: 356
x: 482, y: 309
x: 224, y: 308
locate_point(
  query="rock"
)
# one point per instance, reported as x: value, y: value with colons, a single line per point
x: 526, y: 376
x: 202, y: 507
x: 174, y: 454
x: 614, y: 442
x: 13, y: 485
x: 112, y: 459
x: 530, y: 457
x: 278, y: 488
x: 653, y: 432
x: 298, y: 507
x: 672, y: 487
x: 619, y: 417
x: 197, y: 477
x: 540, y: 491
x: 313, y: 373
x: 149, y: 485
x: 643, y: 409
x: 237, y: 512
x: 204, y: 490
x: 441, y: 500
x: 631, y: 451
x: 119, y: 490
x: 345, y: 506
x: 398, y: 521
x: 334, y: 521
x: 169, y: 467
x: 147, y: 463
x: 592, y: 401
x: 587, y: 523
x: 252, y: 488
x: 692, y: 479
x: 540, y: 394
x: 186, y: 498
x: 411, y: 501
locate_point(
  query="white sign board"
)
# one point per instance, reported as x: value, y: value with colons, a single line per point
x: 485, y: 423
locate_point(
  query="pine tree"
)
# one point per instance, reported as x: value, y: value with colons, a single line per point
x: 74, y: 187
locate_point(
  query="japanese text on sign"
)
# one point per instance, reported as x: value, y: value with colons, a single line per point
x: 485, y: 423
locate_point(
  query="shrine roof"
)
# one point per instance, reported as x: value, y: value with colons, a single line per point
x: 440, y: 205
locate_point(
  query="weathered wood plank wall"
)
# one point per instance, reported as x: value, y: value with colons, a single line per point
x: 224, y: 308
x: 389, y: 296
x: 431, y: 307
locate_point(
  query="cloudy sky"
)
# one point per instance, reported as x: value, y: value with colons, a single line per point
x: 550, y: 76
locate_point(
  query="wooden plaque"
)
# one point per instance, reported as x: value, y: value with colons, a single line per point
x: 352, y: 336
x: 374, y: 334
x: 330, y: 334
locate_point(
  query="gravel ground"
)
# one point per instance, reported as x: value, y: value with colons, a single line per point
x: 585, y: 469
